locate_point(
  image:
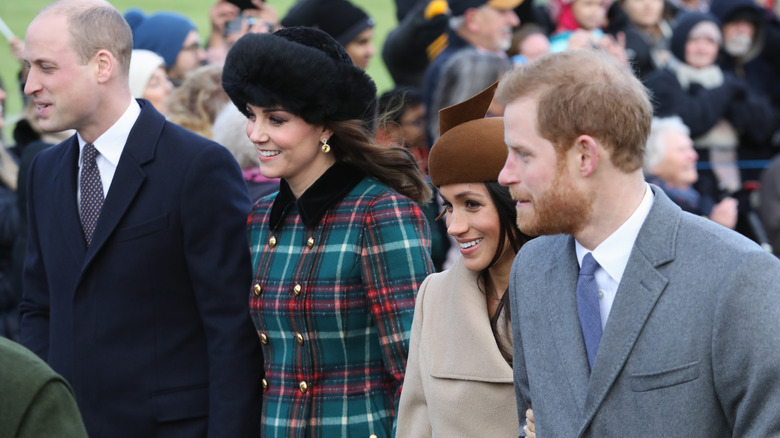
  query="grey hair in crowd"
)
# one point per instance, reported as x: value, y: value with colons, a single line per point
x: 464, y: 75
x: 229, y: 130
x: 656, y: 147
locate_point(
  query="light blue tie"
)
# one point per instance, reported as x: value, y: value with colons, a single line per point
x: 588, y: 306
x: 91, y: 192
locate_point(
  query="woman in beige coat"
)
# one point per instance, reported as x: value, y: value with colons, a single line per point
x: 459, y: 374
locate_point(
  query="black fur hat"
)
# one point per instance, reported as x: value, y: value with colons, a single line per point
x: 301, y: 69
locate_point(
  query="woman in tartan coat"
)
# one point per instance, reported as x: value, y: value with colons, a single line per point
x: 340, y: 251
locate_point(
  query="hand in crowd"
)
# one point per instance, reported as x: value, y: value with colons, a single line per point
x: 220, y: 14
x: 17, y: 47
x: 615, y: 47
x: 725, y: 212
x: 529, y: 428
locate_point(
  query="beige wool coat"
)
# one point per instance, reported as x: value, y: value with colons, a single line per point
x: 457, y: 383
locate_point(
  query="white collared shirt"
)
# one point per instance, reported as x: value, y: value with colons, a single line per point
x: 110, y: 146
x: 613, y: 253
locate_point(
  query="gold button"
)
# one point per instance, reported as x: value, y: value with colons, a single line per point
x: 299, y: 338
x: 265, y: 384
x: 304, y: 387
x: 272, y: 241
x: 263, y: 338
x: 310, y: 242
x: 258, y: 289
x: 297, y: 290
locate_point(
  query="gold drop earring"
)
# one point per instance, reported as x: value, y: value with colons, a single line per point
x: 325, y: 146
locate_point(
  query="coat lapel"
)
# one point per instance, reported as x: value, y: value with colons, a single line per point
x: 639, y: 290
x: 463, y: 311
x: 565, y: 330
x: 129, y: 176
x: 65, y: 182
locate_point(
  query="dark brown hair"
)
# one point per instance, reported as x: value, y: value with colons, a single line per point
x: 395, y: 167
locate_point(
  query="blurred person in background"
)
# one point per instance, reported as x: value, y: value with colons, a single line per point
x: 464, y: 75
x: 229, y: 131
x: 172, y: 36
x: 9, y: 227
x: 721, y: 110
x: 401, y: 123
x: 148, y: 79
x: 195, y: 103
x: 229, y: 22
x: 670, y: 163
x: 529, y: 42
x: 647, y: 33
x: 481, y: 25
x: 345, y: 22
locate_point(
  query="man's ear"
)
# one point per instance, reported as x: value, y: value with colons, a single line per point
x: 587, y: 154
x: 105, y: 63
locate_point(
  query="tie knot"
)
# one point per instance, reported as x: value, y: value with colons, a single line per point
x: 90, y: 152
x: 589, y: 265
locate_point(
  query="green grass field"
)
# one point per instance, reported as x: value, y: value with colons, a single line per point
x: 18, y: 13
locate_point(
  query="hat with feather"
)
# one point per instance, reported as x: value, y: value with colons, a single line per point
x: 471, y: 148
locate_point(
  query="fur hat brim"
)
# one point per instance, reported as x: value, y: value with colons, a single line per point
x: 302, y: 70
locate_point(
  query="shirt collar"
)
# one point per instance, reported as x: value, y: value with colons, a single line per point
x: 112, y: 142
x: 612, y: 254
x: 329, y: 189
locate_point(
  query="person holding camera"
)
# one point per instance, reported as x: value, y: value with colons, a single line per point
x: 232, y: 19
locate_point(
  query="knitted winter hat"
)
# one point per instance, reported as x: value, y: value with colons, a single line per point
x: 143, y: 63
x: 471, y: 148
x: 686, y: 21
x: 163, y: 33
x: 303, y: 70
x: 339, y: 18
x: 459, y: 7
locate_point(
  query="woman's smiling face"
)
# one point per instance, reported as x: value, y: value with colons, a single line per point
x: 288, y: 146
x: 472, y: 219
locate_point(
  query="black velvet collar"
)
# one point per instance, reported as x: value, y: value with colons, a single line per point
x: 329, y: 189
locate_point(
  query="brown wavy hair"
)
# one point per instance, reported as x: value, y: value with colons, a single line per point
x: 352, y: 142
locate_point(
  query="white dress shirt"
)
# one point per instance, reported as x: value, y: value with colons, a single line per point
x: 613, y: 253
x: 110, y: 146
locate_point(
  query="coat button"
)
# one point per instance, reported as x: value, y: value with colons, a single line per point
x: 258, y: 289
x: 304, y: 387
x: 265, y: 384
x: 297, y: 290
x: 310, y: 242
x: 272, y: 241
x: 299, y: 338
x: 373, y: 436
x: 263, y: 338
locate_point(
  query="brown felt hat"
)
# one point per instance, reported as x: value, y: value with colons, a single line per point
x: 471, y: 148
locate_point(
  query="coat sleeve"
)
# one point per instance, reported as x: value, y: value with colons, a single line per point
x: 215, y: 207
x: 413, y: 418
x: 394, y: 261
x: 746, y: 346
x: 34, y: 307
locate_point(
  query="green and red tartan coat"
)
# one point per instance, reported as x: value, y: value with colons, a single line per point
x: 336, y: 275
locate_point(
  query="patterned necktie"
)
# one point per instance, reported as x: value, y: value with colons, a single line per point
x: 588, y: 306
x: 91, y: 192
